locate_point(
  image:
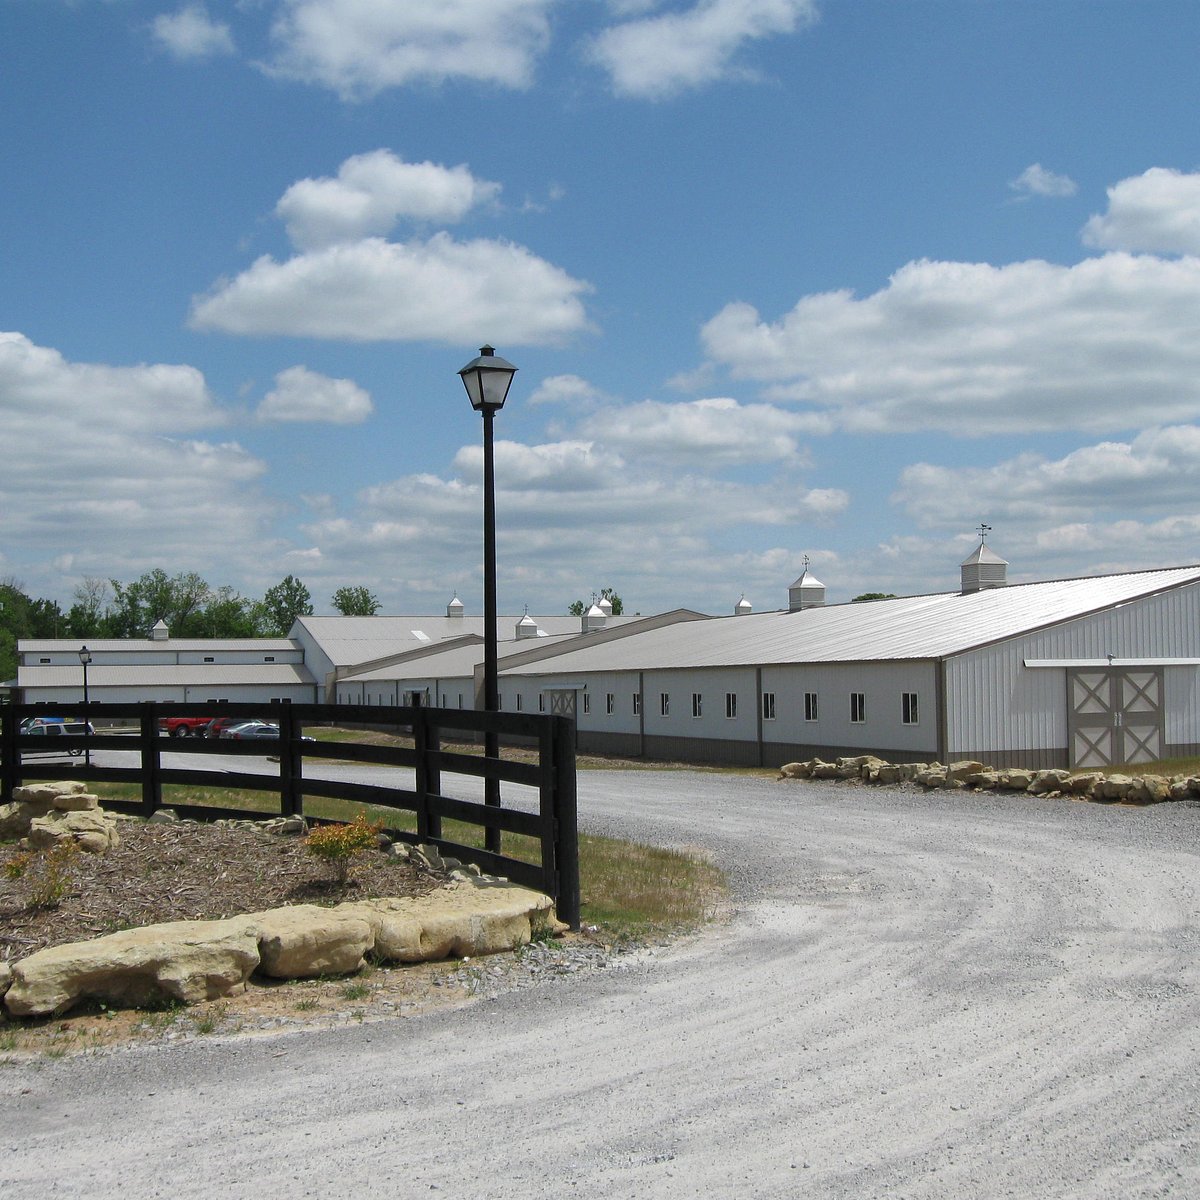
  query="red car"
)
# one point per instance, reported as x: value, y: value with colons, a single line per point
x: 182, y: 726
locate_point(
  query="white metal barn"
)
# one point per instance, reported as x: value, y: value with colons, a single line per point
x: 1075, y: 672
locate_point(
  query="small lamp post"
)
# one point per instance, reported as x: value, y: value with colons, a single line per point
x: 487, y: 380
x: 85, y: 658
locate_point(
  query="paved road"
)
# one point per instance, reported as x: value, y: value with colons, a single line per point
x: 921, y: 996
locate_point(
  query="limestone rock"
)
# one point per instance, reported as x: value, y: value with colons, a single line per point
x: 187, y: 961
x: 306, y: 940
x: 5, y: 978
x: 1014, y: 779
x: 76, y: 802
x: 795, y: 770
x: 14, y: 822
x: 1051, y: 780
x: 95, y: 831
x: 1082, y: 785
x: 1112, y: 787
x: 957, y: 772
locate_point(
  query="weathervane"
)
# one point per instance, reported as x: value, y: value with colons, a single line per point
x: 984, y: 530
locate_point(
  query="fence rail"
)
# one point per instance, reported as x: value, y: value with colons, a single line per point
x: 554, y: 825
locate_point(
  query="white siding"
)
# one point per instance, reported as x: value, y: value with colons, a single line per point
x: 882, y: 685
x: 994, y: 702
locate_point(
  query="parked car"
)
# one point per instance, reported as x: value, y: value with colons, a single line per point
x: 218, y: 725
x: 30, y: 723
x: 250, y: 731
x: 56, y: 729
x: 182, y: 726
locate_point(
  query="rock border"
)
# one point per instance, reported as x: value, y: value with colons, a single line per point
x: 192, y: 961
x: 968, y: 774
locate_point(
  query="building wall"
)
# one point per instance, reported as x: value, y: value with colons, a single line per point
x: 298, y: 693
x: 997, y: 708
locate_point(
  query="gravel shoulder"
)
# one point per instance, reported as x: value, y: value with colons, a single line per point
x: 943, y: 995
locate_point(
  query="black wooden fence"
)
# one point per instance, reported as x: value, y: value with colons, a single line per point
x: 24, y: 757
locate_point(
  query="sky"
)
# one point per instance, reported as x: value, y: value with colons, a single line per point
x: 784, y: 279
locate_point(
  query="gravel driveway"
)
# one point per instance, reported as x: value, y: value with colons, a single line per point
x: 941, y: 995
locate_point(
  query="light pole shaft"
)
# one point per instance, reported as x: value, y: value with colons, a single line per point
x: 491, y: 672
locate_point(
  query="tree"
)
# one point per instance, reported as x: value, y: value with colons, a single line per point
x: 618, y: 607
x: 156, y: 596
x: 355, y: 602
x: 23, y: 617
x: 283, y: 603
x: 874, y: 596
x: 228, y: 615
x: 87, y: 616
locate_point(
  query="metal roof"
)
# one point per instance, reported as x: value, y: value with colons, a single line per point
x: 349, y: 640
x: 457, y: 662
x: 146, y: 645
x: 154, y: 675
x: 908, y: 627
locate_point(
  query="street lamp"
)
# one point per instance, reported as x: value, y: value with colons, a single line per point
x: 85, y: 658
x: 487, y: 380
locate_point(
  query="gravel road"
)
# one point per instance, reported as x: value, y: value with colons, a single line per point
x: 941, y: 995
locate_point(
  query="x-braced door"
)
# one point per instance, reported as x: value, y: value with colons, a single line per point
x: 1116, y: 716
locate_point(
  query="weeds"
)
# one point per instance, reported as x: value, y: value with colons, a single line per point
x: 357, y: 990
x: 47, y: 872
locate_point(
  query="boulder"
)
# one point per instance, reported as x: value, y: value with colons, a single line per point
x: 5, y: 978
x: 957, y: 772
x: 188, y: 961
x: 984, y: 780
x: 94, y: 830
x: 1112, y: 787
x: 461, y: 919
x: 932, y: 777
x: 76, y: 802
x: 1014, y: 779
x: 1148, y: 789
x: 306, y: 940
x: 1051, y: 780
x: 1082, y: 785
x: 795, y: 770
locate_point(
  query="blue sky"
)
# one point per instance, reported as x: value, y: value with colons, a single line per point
x: 836, y: 278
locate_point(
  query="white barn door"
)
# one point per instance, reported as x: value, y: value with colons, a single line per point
x: 1115, y: 716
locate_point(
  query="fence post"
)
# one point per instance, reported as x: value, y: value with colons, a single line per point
x: 566, y: 825
x: 428, y: 776
x: 10, y: 756
x: 151, y: 761
x: 290, y: 767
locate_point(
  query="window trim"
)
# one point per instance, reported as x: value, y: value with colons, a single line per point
x: 910, y: 708
x: 697, y: 705
x: 858, y: 708
x: 812, y: 707
x: 768, y: 706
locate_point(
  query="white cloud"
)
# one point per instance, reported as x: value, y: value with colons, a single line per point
x: 1035, y: 180
x: 437, y: 290
x: 565, y: 389
x: 657, y: 56
x: 98, y: 465
x: 372, y: 192
x: 1108, y: 344
x: 570, y: 512
x: 719, y: 432
x: 191, y: 33
x: 1158, y: 212
x: 303, y: 395
x: 1153, y: 473
x: 358, y: 48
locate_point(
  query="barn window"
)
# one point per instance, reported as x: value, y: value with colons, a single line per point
x: 610, y: 703
x: 810, y: 706
x: 266, y: 658
x: 520, y: 702
x: 637, y: 704
x: 664, y: 703
x: 541, y: 702
x: 908, y: 708
x: 858, y: 708
x: 730, y: 705
x: 697, y: 704
x: 209, y: 658
x: 768, y: 706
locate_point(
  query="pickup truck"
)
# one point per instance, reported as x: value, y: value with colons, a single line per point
x: 182, y: 726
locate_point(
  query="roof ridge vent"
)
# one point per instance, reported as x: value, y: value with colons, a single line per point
x: 983, y: 568
x: 456, y: 607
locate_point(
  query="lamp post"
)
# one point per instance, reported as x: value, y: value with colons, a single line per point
x: 487, y: 380
x: 85, y: 658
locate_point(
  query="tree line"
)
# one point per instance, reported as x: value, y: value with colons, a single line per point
x: 109, y: 608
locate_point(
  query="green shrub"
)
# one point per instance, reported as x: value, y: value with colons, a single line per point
x: 339, y: 845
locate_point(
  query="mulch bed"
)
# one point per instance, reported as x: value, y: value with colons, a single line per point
x: 185, y: 872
